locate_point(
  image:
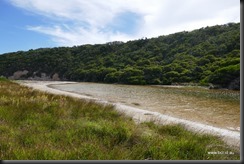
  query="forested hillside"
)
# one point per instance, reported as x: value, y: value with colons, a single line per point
x: 207, y: 55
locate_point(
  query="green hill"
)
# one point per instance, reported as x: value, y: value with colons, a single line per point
x: 203, y: 56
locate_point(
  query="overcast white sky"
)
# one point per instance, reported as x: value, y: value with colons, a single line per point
x: 76, y: 22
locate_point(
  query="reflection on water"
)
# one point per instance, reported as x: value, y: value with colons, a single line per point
x: 214, y: 107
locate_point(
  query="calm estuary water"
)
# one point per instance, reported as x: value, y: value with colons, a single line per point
x: 220, y: 108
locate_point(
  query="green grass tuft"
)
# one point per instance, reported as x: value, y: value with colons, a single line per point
x: 3, y: 78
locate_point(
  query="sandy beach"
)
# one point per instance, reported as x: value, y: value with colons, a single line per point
x: 232, y: 138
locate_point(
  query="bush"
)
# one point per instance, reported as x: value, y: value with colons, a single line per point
x: 2, y: 78
x: 224, y: 76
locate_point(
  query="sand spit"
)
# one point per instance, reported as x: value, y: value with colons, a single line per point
x: 232, y: 138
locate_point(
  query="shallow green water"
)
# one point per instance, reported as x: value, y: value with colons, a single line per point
x: 219, y: 108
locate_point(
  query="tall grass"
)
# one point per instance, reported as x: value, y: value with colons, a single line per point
x: 40, y: 126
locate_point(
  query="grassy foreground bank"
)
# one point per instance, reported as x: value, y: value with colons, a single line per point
x: 36, y: 125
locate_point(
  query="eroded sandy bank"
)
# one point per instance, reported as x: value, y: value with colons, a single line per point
x: 232, y: 138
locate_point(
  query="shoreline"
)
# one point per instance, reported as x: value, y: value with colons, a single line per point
x: 232, y: 138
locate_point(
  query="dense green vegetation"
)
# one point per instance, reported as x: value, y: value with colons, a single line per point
x: 203, y: 56
x: 39, y: 126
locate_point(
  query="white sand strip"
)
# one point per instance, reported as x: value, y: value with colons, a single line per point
x: 232, y: 138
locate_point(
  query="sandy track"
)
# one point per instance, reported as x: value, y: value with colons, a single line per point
x: 232, y: 138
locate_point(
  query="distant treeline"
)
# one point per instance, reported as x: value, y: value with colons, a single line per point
x: 205, y: 56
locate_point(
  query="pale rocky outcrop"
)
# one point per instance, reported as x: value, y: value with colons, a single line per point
x: 55, y: 77
x: 18, y: 74
x: 42, y: 76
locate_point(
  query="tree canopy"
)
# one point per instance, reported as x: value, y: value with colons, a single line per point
x: 206, y: 55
